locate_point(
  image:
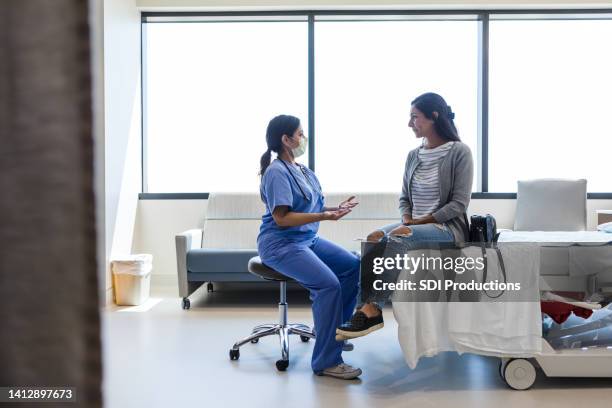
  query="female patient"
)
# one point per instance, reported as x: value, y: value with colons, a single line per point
x: 435, y: 194
x: 288, y: 241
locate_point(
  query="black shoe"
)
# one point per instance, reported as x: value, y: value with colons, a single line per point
x: 360, y: 325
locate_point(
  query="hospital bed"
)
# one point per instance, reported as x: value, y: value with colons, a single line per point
x: 550, y: 214
x: 570, y: 261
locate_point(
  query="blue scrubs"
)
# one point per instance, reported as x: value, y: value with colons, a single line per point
x: 329, y: 272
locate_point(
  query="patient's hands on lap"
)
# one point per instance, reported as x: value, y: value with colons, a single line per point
x: 376, y: 236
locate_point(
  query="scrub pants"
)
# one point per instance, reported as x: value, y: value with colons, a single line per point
x: 423, y: 235
x: 331, y: 274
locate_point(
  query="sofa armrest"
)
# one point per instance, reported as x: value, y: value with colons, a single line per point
x: 185, y: 241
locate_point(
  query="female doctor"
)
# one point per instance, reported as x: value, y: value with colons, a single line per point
x: 289, y: 244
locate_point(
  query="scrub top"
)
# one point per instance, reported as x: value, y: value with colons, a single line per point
x: 279, y: 187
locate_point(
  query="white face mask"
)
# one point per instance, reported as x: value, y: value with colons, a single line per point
x: 301, y: 149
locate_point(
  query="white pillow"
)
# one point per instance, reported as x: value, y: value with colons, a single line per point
x: 551, y: 205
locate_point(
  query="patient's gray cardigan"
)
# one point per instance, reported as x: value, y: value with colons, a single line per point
x: 456, y: 177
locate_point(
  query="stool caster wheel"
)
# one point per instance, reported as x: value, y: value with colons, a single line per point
x: 255, y: 341
x: 186, y: 304
x: 281, y: 365
x: 209, y: 287
x: 305, y: 339
x: 234, y: 354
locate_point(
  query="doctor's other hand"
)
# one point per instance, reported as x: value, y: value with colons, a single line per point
x: 348, y: 203
x: 335, y: 215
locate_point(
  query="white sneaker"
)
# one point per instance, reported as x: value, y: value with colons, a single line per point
x: 342, y: 371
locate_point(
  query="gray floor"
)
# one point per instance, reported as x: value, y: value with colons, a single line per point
x: 161, y: 356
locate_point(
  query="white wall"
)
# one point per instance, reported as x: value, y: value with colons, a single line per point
x: 122, y: 126
x: 157, y: 224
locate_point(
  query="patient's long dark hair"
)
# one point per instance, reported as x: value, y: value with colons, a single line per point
x: 278, y: 126
x: 430, y: 102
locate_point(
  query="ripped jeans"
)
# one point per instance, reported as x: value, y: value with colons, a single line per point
x: 421, y: 235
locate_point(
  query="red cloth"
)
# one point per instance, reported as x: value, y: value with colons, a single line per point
x: 560, y: 312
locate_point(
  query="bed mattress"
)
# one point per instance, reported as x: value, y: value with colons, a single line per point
x: 568, y: 253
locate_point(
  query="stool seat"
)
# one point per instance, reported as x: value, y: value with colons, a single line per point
x: 257, y: 267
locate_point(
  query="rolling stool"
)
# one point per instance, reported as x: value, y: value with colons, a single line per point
x: 256, y: 267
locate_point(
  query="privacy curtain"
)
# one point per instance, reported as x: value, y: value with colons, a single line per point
x: 49, y: 308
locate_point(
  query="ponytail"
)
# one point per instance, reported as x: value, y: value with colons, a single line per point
x: 264, y: 162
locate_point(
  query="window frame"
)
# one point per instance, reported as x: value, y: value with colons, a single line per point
x: 482, y: 16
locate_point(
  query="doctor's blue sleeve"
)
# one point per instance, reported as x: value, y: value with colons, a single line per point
x: 277, y: 189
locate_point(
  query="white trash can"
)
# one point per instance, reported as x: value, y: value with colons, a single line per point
x: 132, y: 279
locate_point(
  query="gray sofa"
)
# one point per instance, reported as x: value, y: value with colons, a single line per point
x: 220, y: 251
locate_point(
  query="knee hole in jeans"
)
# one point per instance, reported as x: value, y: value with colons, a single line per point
x: 376, y: 235
x: 407, y: 231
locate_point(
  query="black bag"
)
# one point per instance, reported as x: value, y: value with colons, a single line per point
x: 483, y: 229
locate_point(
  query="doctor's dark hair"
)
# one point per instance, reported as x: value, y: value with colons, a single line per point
x: 278, y: 126
x: 430, y: 102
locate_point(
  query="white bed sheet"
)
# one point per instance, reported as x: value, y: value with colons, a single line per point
x: 558, y: 238
x: 428, y: 328
x: 487, y: 327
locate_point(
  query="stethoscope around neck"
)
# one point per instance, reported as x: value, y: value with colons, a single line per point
x: 296, y: 181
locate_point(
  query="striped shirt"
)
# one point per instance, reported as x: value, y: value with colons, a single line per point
x: 425, y: 185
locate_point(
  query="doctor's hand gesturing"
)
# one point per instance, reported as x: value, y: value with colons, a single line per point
x: 334, y: 215
x: 347, y: 204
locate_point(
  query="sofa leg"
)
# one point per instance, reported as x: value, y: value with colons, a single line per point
x: 186, y: 304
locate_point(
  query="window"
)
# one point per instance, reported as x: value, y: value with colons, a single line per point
x: 530, y: 94
x: 367, y: 73
x: 210, y: 90
x: 549, y: 103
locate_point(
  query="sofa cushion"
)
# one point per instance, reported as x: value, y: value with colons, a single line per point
x: 219, y: 260
x: 551, y: 205
x: 230, y: 233
x: 372, y: 206
x: 234, y: 206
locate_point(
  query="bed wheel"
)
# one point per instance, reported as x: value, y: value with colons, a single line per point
x: 519, y: 373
